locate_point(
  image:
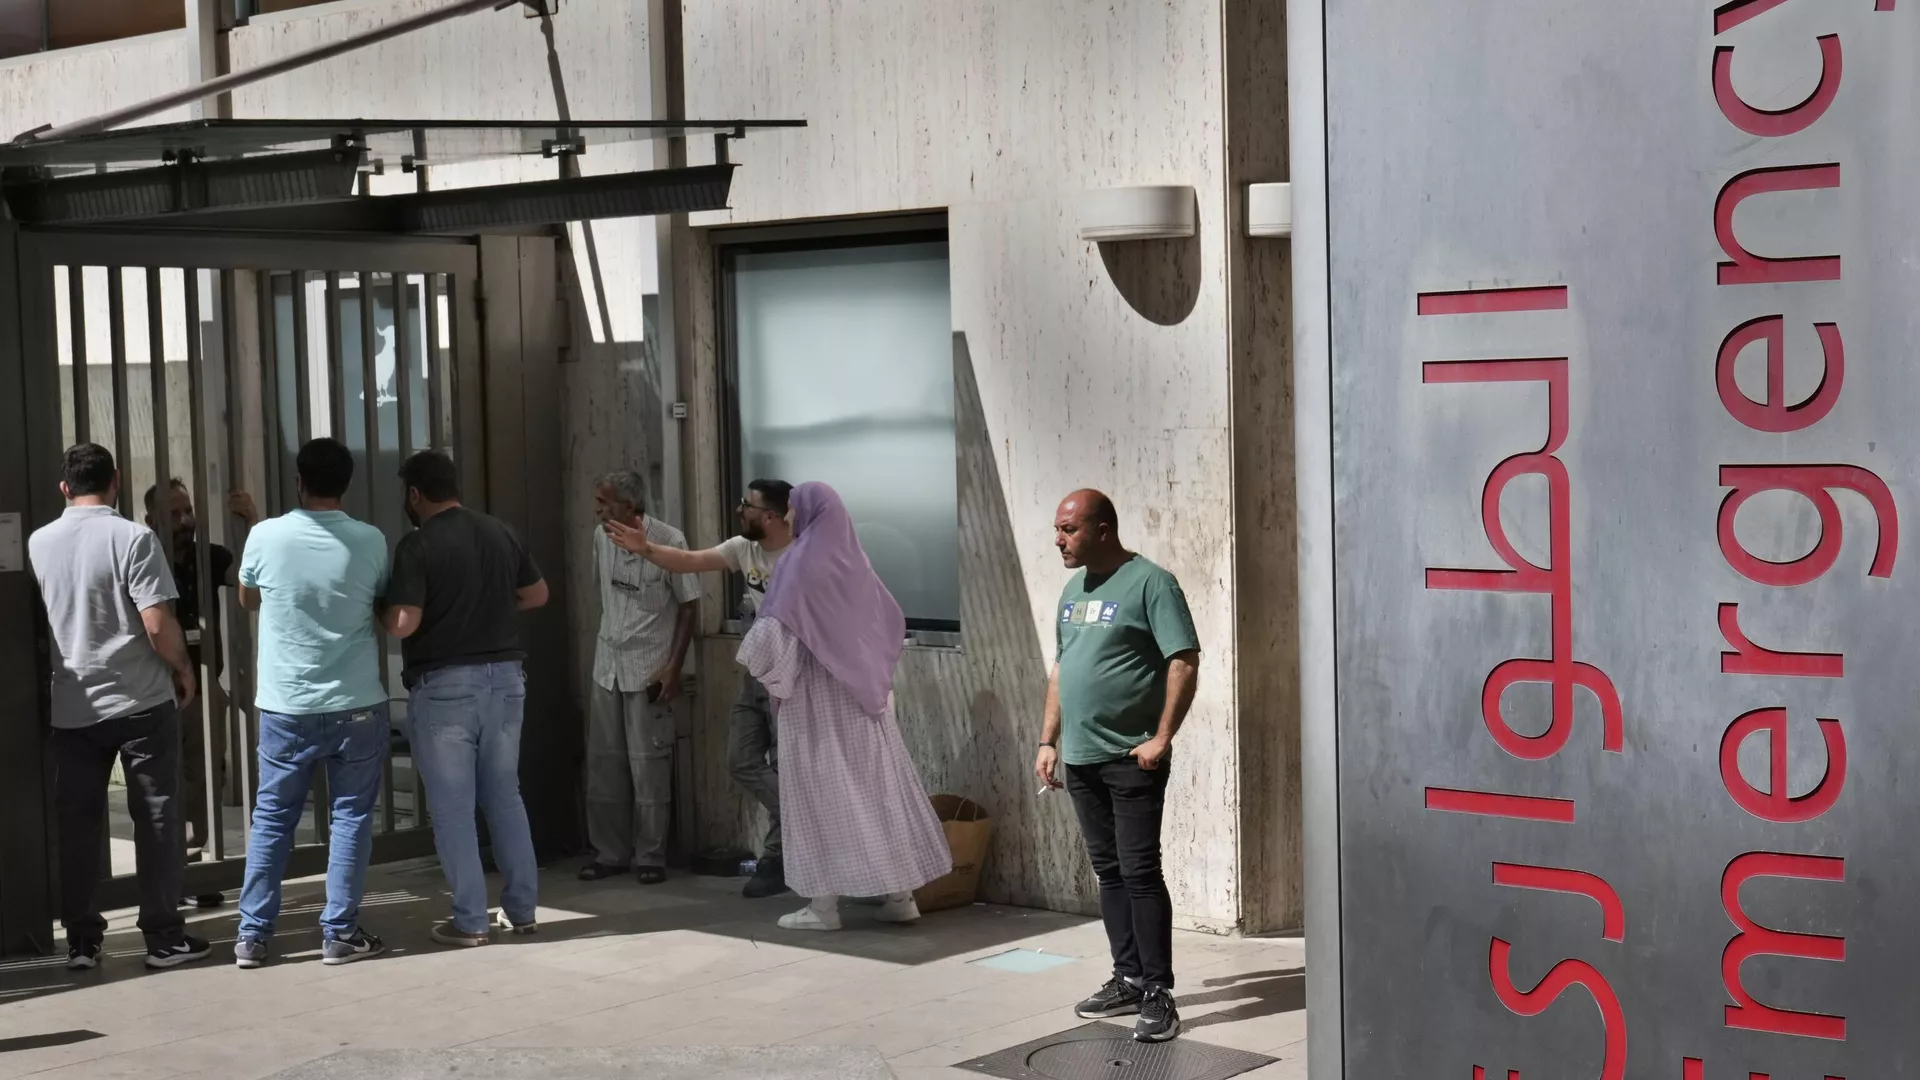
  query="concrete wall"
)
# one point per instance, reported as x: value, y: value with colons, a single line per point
x: 1266, y: 581
x: 1075, y: 366
x: 73, y: 84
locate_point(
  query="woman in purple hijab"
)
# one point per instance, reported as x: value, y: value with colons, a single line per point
x: 855, y: 818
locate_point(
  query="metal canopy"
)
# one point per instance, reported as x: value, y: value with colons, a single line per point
x: 304, y: 175
x: 395, y: 143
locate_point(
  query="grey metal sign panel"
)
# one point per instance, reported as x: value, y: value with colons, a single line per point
x: 1624, y: 313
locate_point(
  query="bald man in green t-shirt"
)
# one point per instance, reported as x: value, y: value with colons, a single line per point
x: 1125, y: 668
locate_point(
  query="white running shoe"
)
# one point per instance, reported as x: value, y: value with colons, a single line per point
x: 812, y: 917
x: 898, y: 911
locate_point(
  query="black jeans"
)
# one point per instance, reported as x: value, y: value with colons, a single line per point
x: 148, y: 746
x: 1120, y: 805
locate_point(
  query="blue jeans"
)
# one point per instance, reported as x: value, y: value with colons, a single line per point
x: 353, y: 747
x: 464, y: 725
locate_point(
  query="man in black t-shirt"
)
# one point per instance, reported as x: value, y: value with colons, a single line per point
x: 203, y: 640
x: 459, y: 582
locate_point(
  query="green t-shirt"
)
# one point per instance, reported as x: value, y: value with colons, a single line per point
x: 1113, y: 639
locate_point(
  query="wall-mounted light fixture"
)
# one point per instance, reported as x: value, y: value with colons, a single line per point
x: 1270, y: 210
x: 1160, y: 212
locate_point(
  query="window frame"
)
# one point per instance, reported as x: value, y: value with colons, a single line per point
x: 728, y: 246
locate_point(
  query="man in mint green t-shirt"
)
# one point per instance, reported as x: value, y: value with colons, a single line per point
x: 317, y: 577
x: 1125, y: 669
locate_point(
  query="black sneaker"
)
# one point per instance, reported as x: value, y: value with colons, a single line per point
x: 1118, y: 998
x: 83, y: 957
x: 185, y: 951
x: 769, y: 879
x: 1159, y: 1020
x: 359, y: 946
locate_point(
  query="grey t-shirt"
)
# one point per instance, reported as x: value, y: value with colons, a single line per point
x: 97, y: 573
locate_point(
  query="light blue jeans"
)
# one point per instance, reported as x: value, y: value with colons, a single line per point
x: 464, y: 725
x: 352, y: 746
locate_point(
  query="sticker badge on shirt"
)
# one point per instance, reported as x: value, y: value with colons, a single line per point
x: 1089, y: 613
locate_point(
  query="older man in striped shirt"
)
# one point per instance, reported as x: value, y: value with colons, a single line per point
x: 646, y: 624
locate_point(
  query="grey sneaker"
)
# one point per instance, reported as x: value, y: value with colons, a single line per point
x: 448, y: 934
x: 359, y: 946
x: 250, y: 951
x: 1159, y: 1020
x: 1117, y: 998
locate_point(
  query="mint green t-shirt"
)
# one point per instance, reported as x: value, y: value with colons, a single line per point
x: 1113, y: 639
x: 319, y: 576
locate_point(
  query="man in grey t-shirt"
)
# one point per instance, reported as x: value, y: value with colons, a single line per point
x: 120, y: 672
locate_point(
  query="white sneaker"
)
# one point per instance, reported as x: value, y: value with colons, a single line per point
x: 898, y: 911
x: 811, y: 918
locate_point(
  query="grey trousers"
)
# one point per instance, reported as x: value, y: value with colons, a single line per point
x: 629, y: 777
x: 753, y: 755
x: 148, y: 747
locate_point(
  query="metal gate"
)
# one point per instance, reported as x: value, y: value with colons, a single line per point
x: 203, y: 363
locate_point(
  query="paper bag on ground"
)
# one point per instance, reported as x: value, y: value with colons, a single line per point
x: 968, y: 829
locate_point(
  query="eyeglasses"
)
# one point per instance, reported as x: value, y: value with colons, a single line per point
x: 746, y: 505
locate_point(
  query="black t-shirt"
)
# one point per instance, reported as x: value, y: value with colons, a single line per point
x: 186, y: 577
x: 462, y: 569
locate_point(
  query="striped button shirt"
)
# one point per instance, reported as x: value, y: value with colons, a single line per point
x: 639, y: 604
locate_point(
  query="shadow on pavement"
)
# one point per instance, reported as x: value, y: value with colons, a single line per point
x: 402, y: 904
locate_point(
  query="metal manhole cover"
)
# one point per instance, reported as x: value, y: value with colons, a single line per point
x: 1108, y: 1052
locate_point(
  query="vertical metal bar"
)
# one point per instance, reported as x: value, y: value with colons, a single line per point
x: 369, y: 389
x: 436, y: 421
x: 162, y: 511
x: 270, y: 417
x: 77, y: 331
x: 302, y: 378
x: 464, y: 373
x: 337, y: 422
x: 240, y: 632
x: 403, y: 365
x: 122, y: 423
x: 203, y: 565
x: 403, y: 442
x: 122, y: 437
x: 336, y: 363
x: 370, y: 400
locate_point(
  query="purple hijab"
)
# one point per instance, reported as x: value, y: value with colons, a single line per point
x: 826, y: 594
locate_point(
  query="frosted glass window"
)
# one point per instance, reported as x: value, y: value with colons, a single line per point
x: 844, y: 368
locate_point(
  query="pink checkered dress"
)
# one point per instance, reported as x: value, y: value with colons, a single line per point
x: 853, y: 817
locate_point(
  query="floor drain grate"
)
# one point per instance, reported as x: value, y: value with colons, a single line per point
x: 1108, y: 1052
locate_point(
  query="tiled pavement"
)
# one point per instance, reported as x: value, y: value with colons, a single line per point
x: 684, y: 964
